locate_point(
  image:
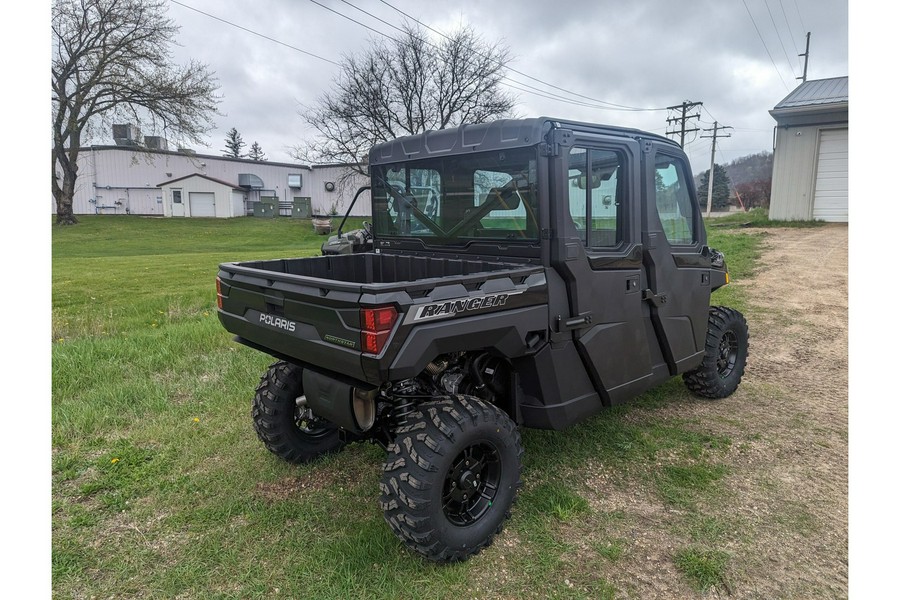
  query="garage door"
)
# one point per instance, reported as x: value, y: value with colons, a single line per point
x: 203, y: 204
x: 832, y: 177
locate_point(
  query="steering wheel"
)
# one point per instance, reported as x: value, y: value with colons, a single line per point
x: 367, y: 229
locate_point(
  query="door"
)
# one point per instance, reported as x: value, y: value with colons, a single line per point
x: 177, y: 204
x: 203, y: 204
x: 601, y: 264
x: 675, y: 257
x: 832, y: 180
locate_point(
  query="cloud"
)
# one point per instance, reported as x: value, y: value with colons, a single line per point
x: 648, y: 54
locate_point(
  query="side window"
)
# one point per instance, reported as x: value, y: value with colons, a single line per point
x: 673, y: 201
x: 595, y: 196
x: 578, y: 194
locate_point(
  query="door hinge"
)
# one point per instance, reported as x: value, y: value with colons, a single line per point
x: 555, y: 140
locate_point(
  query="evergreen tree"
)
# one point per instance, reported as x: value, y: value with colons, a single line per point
x: 233, y: 144
x: 256, y: 152
x: 721, y: 188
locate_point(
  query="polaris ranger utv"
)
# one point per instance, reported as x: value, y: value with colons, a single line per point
x: 521, y: 273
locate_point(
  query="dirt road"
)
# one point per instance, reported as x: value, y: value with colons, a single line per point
x: 791, y: 484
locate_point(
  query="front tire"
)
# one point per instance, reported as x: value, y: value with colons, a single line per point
x: 451, y: 477
x: 727, y: 342
x: 287, y: 430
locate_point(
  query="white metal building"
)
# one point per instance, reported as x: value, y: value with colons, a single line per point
x: 199, y: 195
x: 125, y: 179
x: 810, y: 175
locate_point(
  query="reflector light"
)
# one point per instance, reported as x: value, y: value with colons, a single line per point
x: 376, y: 325
x: 219, y: 292
x: 378, y: 319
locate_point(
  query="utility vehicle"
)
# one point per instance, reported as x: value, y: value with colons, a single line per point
x: 520, y: 273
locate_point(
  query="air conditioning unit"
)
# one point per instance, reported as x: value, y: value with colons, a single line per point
x: 156, y: 142
x: 127, y: 134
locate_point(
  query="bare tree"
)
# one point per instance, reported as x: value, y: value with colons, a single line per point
x: 111, y: 60
x: 406, y: 86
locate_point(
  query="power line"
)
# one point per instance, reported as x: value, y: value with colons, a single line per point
x: 541, y: 81
x: 765, y: 46
x: 684, y: 107
x: 780, y: 41
x: 788, y: 23
x: 711, y: 116
x: 271, y: 39
x: 533, y: 90
x: 799, y: 15
x: 552, y: 96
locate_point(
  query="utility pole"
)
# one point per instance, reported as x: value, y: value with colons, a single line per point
x: 712, y: 162
x: 684, y: 107
x: 805, y: 56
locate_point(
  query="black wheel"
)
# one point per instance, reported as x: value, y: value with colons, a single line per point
x: 727, y: 340
x: 288, y: 429
x: 451, y: 477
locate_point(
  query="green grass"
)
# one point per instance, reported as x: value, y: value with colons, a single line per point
x: 705, y: 568
x: 161, y: 489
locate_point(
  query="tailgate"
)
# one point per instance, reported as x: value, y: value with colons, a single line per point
x: 310, y: 320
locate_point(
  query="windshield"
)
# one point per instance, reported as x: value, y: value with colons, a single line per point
x: 456, y: 199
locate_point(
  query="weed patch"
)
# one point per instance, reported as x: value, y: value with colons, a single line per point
x: 704, y: 568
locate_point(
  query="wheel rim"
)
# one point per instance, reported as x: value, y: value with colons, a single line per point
x: 728, y: 351
x: 471, y: 484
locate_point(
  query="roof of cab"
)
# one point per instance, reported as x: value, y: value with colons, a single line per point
x: 496, y: 135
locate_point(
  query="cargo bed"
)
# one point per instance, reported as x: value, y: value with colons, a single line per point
x: 308, y: 309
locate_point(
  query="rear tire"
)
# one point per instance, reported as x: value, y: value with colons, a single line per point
x: 451, y: 477
x: 287, y: 431
x: 727, y: 342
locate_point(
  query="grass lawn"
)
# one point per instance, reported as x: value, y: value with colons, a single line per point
x: 160, y: 488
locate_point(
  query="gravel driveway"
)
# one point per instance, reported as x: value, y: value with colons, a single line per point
x: 792, y: 486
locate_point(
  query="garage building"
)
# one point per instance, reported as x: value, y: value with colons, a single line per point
x: 810, y: 175
x: 138, y: 176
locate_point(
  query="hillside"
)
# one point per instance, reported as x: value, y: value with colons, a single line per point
x: 751, y: 177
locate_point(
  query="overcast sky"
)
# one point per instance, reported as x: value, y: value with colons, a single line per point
x: 648, y: 54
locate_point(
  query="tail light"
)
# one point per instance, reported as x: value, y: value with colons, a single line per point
x: 375, y: 327
x: 219, y: 293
